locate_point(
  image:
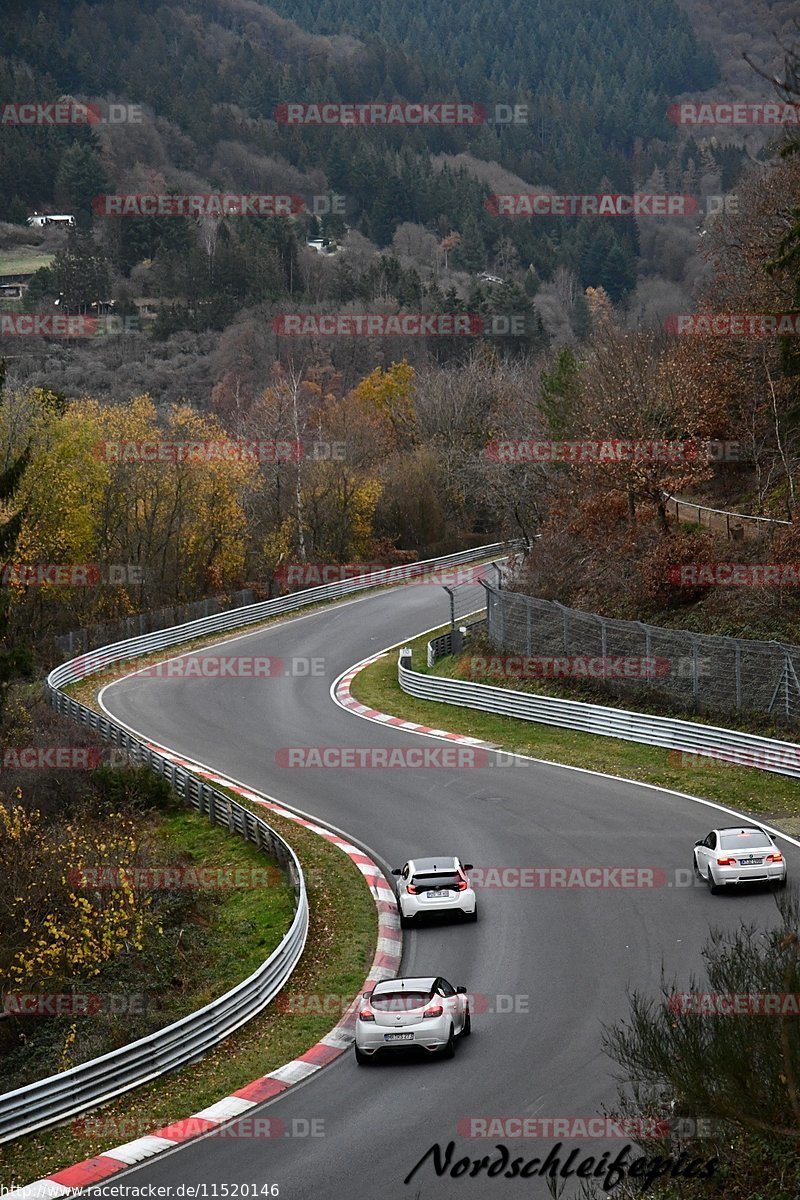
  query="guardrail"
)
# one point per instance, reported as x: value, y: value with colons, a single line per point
x: 452, y: 641
x: 252, y: 614
x: 708, y: 741
x: 60, y: 1096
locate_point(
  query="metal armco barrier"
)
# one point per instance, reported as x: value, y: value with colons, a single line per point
x: 51, y: 1100
x: 251, y: 614
x: 725, y: 745
x: 442, y: 646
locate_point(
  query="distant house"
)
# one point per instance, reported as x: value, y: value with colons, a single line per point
x: 321, y: 246
x: 13, y: 286
x: 40, y: 219
x: 487, y: 278
x: 147, y: 307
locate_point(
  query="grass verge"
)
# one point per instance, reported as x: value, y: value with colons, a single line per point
x: 247, y: 922
x: 24, y: 259
x: 341, y: 943
x: 209, y: 939
x: 767, y: 797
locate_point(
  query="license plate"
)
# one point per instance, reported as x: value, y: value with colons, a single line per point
x: 750, y: 862
x: 398, y: 1037
x: 443, y: 895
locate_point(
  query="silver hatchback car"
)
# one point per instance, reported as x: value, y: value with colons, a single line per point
x: 739, y: 854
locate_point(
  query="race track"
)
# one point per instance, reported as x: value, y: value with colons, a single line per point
x: 565, y: 955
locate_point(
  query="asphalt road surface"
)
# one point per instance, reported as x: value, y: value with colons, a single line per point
x: 554, y: 964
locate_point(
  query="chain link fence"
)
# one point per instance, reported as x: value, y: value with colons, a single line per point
x: 457, y: 580
x: 462, y: 595
x: 695, y: 671
x: 78, y: 641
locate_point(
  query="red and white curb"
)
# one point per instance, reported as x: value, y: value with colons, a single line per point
x: 343, y: 697
x: 385, y: 964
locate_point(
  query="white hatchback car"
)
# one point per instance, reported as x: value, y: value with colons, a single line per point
x: 433, y: 886
x: 739, y: 854
x: 416, y: 1013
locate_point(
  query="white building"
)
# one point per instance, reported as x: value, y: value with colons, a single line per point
x: 40, y: 219
x: 319, y: 246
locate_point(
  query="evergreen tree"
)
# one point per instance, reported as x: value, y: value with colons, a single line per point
x: 470, y: 254
x: 559, y: 391
x: 81, y: 176
x: 618, y: 273
x: 17, y: 211
x: 79, y: 273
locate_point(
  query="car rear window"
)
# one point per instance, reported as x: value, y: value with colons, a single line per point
x: 448, y: 880
x: 399, y: 1001
x: 746, y: 840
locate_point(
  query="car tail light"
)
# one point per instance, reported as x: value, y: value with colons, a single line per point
x: 726, y: 862
x: 776, y: 857
x: 462, y: 885
x: 410, y: 888
x: 366, y: 1015
x: 433, y: 1010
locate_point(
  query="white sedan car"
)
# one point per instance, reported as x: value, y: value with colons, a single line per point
x: 739, y: 854
x: 403, y: 1014
x: 432, y: 886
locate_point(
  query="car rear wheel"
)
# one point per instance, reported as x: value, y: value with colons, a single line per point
x: 406, y: 922
x: 714, y: 888
x: 467, y: 1030
x: 695, y: 866
x: 783, y: 882
x: 449, y: 1049
x: 473, y: 916
x: 361, y: 1058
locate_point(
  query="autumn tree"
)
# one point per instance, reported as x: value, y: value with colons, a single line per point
x: 146, y: 532
x: 14, y: 658
x: 390, y: 392
x: 182, y: 522
x: 411, y: 513
x: 755, y: 271
x: 634, y: 390
x: 448, y: 245
x: 285, y: 411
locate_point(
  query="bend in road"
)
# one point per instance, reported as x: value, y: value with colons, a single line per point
x: 553, y: 964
